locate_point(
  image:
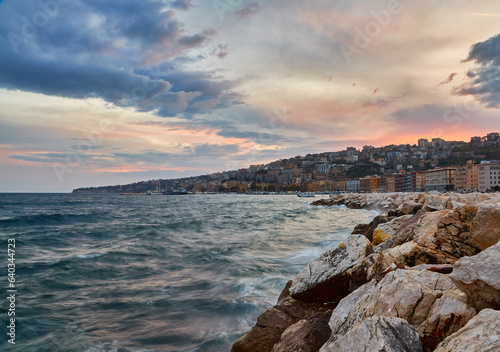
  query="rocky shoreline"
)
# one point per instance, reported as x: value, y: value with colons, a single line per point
x: 424, y: 275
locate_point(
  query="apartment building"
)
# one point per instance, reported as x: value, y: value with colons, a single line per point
x: 467, y: 177
x: 441, y: 179
x: 489, y: 176
x: 352, y: 186
x: 390, y: 183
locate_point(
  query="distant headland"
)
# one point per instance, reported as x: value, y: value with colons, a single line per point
x: 435, y: 165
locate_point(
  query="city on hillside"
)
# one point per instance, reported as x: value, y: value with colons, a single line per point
x: 435, y: 165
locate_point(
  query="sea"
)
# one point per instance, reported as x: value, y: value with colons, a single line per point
x: 186, y: 273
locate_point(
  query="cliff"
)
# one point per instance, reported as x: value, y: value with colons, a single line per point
x: 424, y: 275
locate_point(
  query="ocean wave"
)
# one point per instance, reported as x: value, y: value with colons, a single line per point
x: 50, y: 219
x: 189, y: 274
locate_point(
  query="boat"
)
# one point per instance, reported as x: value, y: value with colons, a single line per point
x: 306, y: 195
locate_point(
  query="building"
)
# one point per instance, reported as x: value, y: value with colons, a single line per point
x: 369, y: 184
x: 390, y: 183
x: 352, y: 186
x: 327, y: 186
x: 492, y: 137
x: 420, y: 182
x: 341, y: 186
x: 406, y: 182
x: 364, y: 185
x: 313, y: 187
x: 423, y: 143
x: 467, y: 177
x: 488, y: 176
x: 441, y: 179
x: 476, y: 141
x: 351, y: 151
x: 437, y: 142
x: 382, y: 185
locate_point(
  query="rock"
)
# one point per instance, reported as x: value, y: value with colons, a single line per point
x: 386, y: 230
x: 410, y: 254
x: 482, y: 333
x: 453, y: 205
x: 486, y: 226
x: 273, y: 322
x: 479, y: 278
x: 443, y: 269
x: 360, y: 229
x: 379, y: 219
x: 410, y: 208
x: 448, y: 231
x: 429, y: 301
x: 435, y: 203
x: 323, y: 202
x: 327, y: 278
x: 403, y: 234
x: 378, y: 334
x: 308, y: 335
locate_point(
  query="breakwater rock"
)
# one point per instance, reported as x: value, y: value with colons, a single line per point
x: 423, y: 275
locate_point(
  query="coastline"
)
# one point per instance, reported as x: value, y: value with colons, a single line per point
x: 424, y: 273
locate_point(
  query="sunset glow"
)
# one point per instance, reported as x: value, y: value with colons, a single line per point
x: 166, y: 89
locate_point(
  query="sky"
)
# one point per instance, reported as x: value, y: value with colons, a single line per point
x: 96, y: 93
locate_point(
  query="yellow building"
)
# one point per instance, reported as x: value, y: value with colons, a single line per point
x: 420, y: 182
x: 312, y: 187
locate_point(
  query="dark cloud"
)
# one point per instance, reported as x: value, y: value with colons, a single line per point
x: 484, y: 80
x: 121, y: 51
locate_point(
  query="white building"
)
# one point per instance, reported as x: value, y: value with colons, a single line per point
x: 489, y: 175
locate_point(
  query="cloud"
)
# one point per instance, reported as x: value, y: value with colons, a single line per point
x: 118, y: 51
x: 182, y: 4
x: 263, y: 138
x: 250, y: 10
x: 220, y: 51
x: 448, y: 80
x: 484, y: 80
